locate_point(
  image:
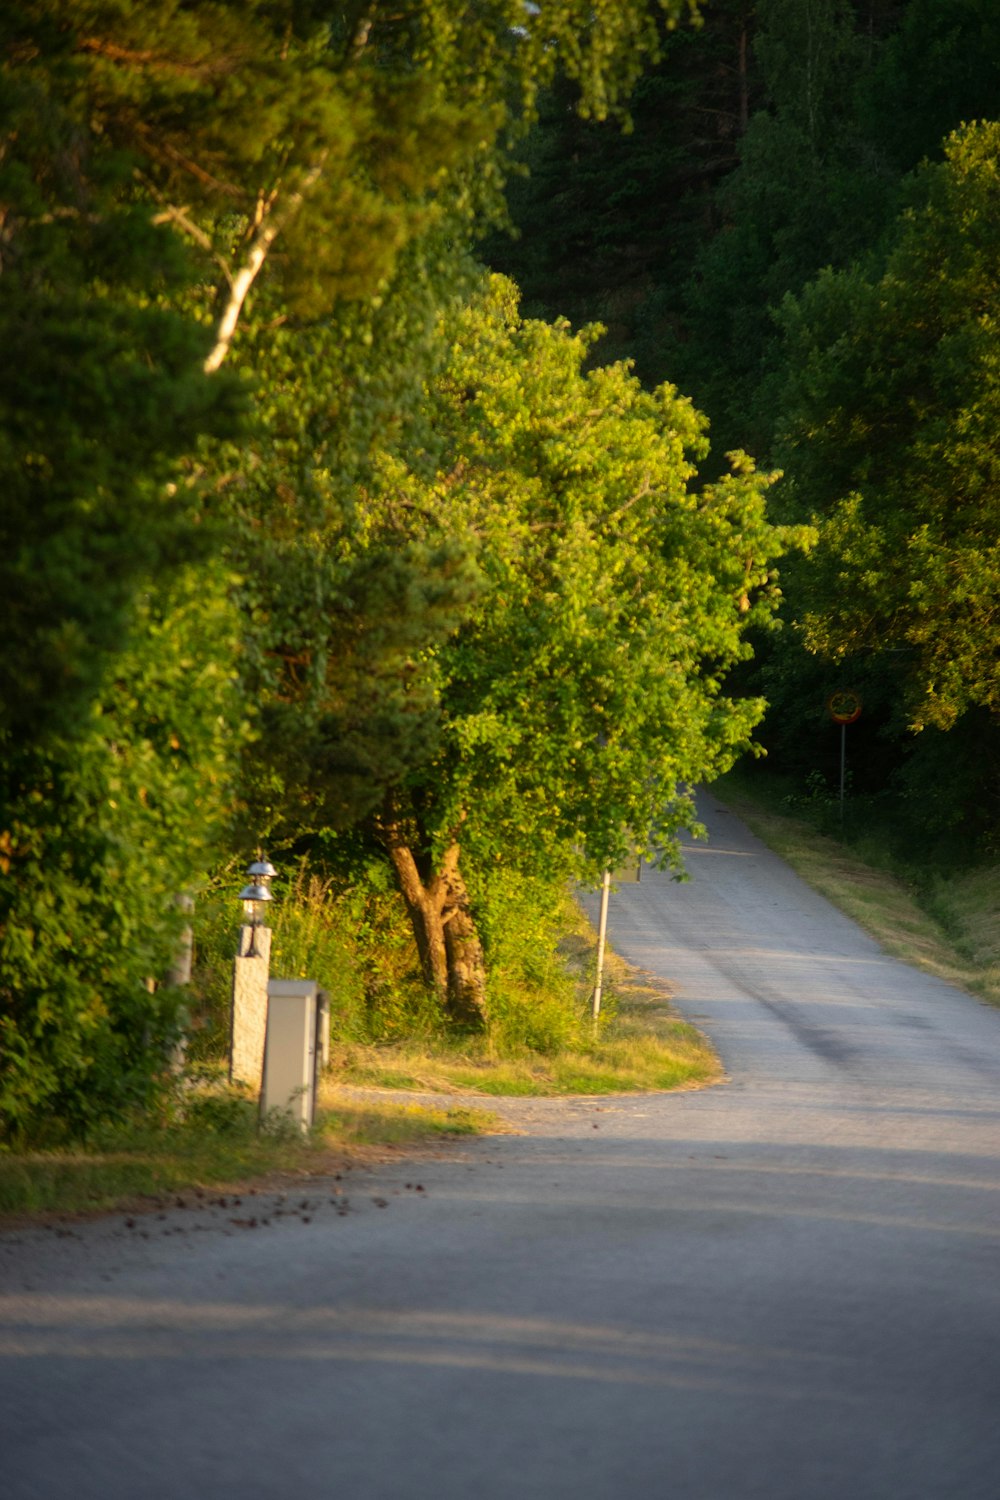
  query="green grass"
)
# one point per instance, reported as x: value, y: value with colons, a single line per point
x: 947, y: 923
x: 609, y: 1068
x: 541, y: 1042
x: 217, y: 1143
x: 640, y: 1046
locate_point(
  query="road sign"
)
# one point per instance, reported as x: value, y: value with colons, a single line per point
x: 843, y: 707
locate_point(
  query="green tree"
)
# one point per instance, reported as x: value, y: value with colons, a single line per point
x: 586, y: 689
x: 337, y: 131
x: 158, y: 165
x: 101, y: 827
x: 100, y: 395
x: 498, y: 615
x: 892, y: 406
x: 809, y: 191
x: 155, y: 159
x: 341, y: 596
x: 610, y: 214
x: 937, y: 64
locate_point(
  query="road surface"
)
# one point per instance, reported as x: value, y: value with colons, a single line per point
x: 781, y: 1288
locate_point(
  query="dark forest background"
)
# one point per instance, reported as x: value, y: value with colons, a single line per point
x: 798, y: 227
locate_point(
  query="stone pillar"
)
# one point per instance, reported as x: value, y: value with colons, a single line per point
x: 249, y: 1018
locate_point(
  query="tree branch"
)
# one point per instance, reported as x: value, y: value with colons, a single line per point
x: 640, y: 494
x: 163, y: 150
x: 240, y: 284
x: 179, y: 216
x: 101, y: 47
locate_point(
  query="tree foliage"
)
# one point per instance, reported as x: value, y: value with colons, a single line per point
x: 342, y: 596
x: 589, y: 683
x: 101, y: 828
x: 585, y: 691
x: 500, y: 618
x: 100, y: 395
x: 846, y: 99
x: 609, y: 215
x: 892, y: 410
x: 182, y: 182
x: 157, y: 160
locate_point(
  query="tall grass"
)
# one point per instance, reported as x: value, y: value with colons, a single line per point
x: 541, y: 1039
x: 536, y: 1002
x: 353, y: 937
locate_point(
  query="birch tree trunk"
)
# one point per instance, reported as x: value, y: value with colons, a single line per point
x: 267, y: 225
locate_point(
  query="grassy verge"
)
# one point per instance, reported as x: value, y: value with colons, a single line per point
x: 541, y: 1043
x: 216, y: 1143
x: 947, y: 923
x: 640, y: 1046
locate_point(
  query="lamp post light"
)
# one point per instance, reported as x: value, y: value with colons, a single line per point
x: 262, y: 870
x: 255, y: 897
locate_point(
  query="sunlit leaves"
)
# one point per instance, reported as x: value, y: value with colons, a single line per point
x: 586, y: 688
x: 101, y: 830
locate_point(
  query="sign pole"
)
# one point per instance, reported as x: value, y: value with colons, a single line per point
x: 602, y: 932
x: 844, y: 708
x: 843, y: 767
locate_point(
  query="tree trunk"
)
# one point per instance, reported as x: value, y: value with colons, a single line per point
x: 451, y: 954
x: 466, y: 960
x: 425, y: 919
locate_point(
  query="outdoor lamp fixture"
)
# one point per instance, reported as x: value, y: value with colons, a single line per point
x: 262, y: 870
x: 255, y: 897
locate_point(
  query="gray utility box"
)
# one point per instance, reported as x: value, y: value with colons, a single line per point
x: 297, y: 1046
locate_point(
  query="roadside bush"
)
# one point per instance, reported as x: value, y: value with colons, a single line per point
x: 352, y: 937
x: 535, y: 1002
x: 99, y: 830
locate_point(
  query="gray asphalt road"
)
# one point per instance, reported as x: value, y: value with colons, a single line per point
x: 783, y: 1287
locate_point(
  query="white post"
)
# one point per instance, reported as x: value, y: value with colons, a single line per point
x: 602, y: 932
x: 179, y: 973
